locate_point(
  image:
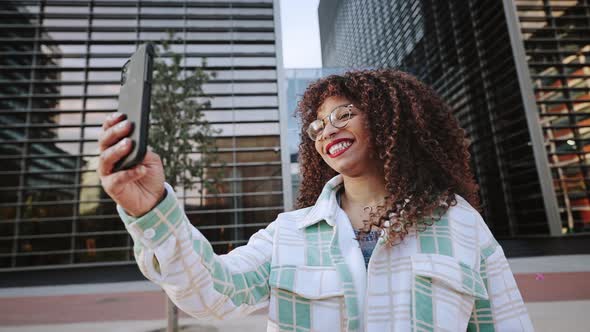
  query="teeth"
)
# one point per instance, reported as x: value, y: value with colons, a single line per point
x: 339, y: 147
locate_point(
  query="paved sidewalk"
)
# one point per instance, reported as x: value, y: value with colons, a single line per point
x: 253, y: 323
x: 555, y: 289
x: 571, y: 316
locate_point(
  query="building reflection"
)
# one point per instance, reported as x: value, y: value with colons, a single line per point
x: 59, y: 78
x: 242, y: 200
x: 35, y: 173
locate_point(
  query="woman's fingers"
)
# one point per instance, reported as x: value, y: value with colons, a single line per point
x: 114, y: 134
x: 112, y: 119
x: 112, y: 155
x: 120, y: 179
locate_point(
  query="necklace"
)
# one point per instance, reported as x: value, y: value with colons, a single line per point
x: 368, y: 209
x: 371, y: 211
x: 372, y: 206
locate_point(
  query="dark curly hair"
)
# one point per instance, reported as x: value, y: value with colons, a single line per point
x: 424, y: 150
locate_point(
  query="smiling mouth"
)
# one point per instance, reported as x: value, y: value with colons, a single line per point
x: 337, y: 148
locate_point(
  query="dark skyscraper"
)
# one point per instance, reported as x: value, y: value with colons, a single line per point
x: 517, y: 77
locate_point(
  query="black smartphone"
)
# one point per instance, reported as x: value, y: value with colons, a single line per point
x: 134, y: 102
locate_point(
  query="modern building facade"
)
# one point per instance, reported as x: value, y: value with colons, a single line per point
x: 60, y: 65
x: 517, y: 77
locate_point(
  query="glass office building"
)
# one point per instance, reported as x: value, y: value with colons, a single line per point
x: 60, y: 67
x: 516, y: 74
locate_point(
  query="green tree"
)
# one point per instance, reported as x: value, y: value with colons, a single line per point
x: 179, y: 133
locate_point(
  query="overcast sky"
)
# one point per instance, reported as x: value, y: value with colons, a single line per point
x: 301, y: 37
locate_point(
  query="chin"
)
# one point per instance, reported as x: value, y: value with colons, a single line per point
x: 352, y: 167
x: 347, y: 168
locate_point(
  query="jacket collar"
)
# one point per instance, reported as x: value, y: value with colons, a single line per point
x: 326, y: 205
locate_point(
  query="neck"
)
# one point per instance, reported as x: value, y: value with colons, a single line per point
x: 366, y: 190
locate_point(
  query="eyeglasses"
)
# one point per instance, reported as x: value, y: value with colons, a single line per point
x: 339, y: 118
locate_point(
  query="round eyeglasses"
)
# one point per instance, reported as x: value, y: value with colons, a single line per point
x: 339, y: 118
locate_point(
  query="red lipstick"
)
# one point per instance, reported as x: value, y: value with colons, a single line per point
x: 334, y: 142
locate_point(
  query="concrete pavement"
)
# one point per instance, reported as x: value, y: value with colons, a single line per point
x: 571, y: 316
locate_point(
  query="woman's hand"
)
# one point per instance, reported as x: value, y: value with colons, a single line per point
x: 138, y: 189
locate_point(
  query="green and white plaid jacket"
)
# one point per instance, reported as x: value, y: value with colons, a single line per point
x: 308, y: 269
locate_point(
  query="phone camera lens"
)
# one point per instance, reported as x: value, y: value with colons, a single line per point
x: 124, y: 72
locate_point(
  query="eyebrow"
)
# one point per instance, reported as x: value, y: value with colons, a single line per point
x: 332, y: 110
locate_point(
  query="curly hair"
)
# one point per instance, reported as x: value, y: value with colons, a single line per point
x: 412, y: 130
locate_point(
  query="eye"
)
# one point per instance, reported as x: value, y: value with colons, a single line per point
x: 341, y: 114
x: 316, y: 125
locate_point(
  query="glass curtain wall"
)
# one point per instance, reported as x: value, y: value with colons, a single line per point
x: 59, y: 78
x: 462, y: 49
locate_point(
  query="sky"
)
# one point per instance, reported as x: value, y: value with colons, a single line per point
x: 301, y: 36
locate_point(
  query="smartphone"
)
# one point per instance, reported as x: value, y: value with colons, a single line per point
x: 134, y: 102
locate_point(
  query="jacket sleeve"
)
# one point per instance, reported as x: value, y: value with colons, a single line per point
x: 504, y: 310
x: 172, y: 253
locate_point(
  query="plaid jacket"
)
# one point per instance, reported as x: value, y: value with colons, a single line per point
x: 308, y: 269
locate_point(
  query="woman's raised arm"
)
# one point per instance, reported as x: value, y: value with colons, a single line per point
x: 172, y: 253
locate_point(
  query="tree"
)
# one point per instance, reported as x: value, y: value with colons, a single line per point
x: 179, y: 133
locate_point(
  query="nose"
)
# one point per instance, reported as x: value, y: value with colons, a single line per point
x: 329, y: 130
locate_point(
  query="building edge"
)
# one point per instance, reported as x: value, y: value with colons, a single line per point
x: 283, y: 111
x: 532, y: 118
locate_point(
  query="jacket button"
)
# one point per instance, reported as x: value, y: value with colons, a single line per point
x: 149, y: 233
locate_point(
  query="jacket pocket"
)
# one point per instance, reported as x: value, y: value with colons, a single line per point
x: 444, y: 290
x: 306, y: 298
x: 310, y: 282
x: 450, y: 272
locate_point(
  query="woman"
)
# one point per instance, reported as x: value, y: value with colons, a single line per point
x: 386, y: 238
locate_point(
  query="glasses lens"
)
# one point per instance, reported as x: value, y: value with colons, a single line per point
x: 340, y: 116
x: 315, y: 129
